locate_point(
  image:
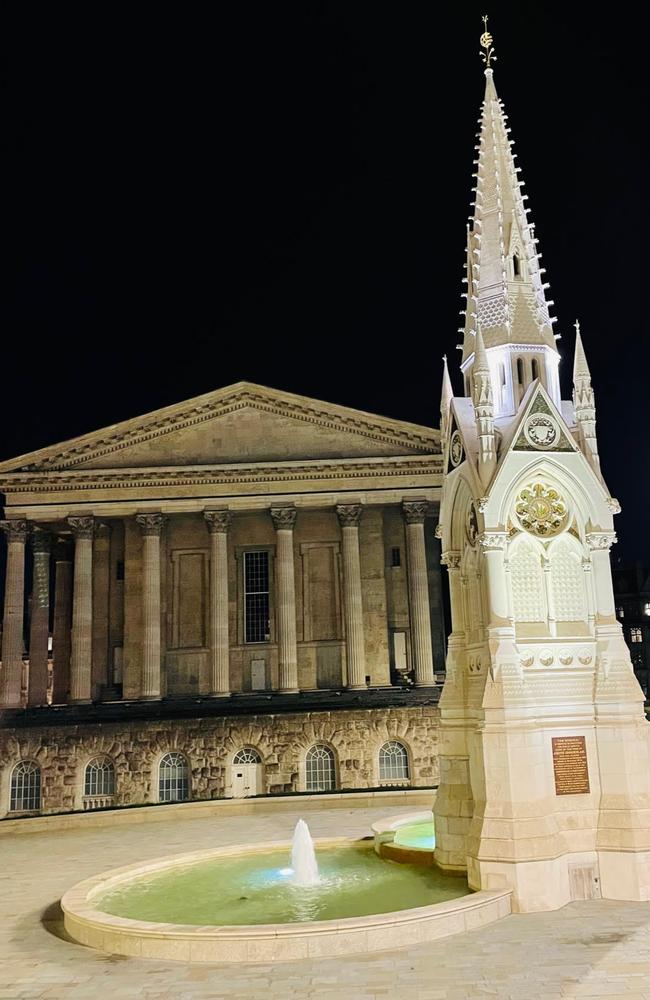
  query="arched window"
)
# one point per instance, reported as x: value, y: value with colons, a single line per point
x: 520, y: 371
x: 535, y: 368
x: 393, y: 762
x: 516, y: 266
x: 529, y: 604
x: 25, y: 787
x: 319, y: 770
x: 247, y: 756
x: 99, y: 778
x: 173, y: 778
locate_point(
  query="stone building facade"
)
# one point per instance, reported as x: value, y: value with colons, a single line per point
x: 247, y: 544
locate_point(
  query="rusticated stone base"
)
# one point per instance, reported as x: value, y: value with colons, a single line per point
x: 135, y: 749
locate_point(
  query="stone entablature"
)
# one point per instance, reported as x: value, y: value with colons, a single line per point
x: 210, y: 744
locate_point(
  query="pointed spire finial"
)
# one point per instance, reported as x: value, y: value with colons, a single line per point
x: 580, y: 366
x: 488, y: 55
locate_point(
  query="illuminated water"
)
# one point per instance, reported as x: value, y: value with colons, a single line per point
x: 258, y: 889
x: 417, y: 835
x: 303, y: 856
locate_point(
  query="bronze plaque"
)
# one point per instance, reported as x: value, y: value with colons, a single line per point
x: 570, y: 765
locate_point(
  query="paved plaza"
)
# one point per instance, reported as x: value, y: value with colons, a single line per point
x: 584, y: 950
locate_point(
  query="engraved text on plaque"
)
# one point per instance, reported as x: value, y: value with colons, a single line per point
x: 570, y: 765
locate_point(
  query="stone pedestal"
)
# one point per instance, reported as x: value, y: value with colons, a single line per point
x: 349, y: 516
x: 14, y: 610
x: 284, y: 519
x: 151, y: 526
x: 39, y: 630
x: 218, y: 522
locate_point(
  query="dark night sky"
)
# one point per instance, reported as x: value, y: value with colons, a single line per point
x: 201, y: 194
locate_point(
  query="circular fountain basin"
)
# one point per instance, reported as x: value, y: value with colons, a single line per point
x: 238, y: 904
x: 409, y: 838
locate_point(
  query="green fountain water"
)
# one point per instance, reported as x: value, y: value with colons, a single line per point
x: 260, y: 889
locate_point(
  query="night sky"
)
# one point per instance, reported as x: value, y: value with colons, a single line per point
x: 199, y: 194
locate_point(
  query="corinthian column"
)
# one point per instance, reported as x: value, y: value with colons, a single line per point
x: 12, y: 629
x: 415, y: 512
x: 62, y: 623
x: 82, y: 610
x: 284, y: 519
x: 151, y: 526
x: 218, y: 522
x: 39, y: 629
x: 349, y: 516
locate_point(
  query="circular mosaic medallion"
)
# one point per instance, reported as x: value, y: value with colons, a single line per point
x: 541, y: 510
x: 472, y: 524
x: 541, y: 431
x: 456, y: 449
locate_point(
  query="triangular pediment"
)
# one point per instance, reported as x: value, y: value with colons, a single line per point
x: 541, y: 426
x: 242, y: 423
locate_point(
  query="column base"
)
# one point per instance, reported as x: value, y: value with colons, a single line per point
x: 288, y: 690
x: 80, y: 701
x: 220, y: 694
x: 356, y: 687
x: 149, y: 697
x: 426, y: 684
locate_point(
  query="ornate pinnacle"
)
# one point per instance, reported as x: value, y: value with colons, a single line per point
x: 488, y: 55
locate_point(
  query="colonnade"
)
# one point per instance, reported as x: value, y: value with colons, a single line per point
x: 73, y: 607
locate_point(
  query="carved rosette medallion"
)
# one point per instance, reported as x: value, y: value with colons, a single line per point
x: 82, y: 527
x: 150, y: 524
x: 541, y: 510
x: 541, y: 431
x: 283, y: 518
x: 456, y: 453
x: 16, y: 531
x: 217, y: 521
x: 415, y: 511
x: 471, y: 525
x: 349, y: 514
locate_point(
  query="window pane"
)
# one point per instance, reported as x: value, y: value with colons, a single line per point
x: 320, y: 775
x: 25, y: 787
x: 256, y: 596
x: 393, y: 762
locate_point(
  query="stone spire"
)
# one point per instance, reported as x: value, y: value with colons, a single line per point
x: 505, y: 288
x: 483, y: 400
x: 584, y: 403
x: 446, y: 397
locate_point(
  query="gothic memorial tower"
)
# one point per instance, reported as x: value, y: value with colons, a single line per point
x: 545, y: 752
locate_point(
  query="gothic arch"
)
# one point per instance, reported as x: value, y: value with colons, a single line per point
x: 568, y: 584
x: 581, y: 507
x: 525, y: 555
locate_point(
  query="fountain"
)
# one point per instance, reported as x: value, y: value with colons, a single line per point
x: 303, y: 856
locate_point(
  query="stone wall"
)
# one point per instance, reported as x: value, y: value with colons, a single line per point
x: 135, y: 748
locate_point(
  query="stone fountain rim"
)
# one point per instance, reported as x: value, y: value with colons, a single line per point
x: 214, y: 942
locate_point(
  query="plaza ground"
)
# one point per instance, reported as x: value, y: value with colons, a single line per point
x: 589, y: 949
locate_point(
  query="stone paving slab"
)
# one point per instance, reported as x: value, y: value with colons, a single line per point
x: 586, y: 950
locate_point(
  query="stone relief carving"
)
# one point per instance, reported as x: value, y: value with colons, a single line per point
x: 150, y: 524
x: 16, y: 531
x: 541, y: 509
x: 601, y: 539
x: 217, y: 520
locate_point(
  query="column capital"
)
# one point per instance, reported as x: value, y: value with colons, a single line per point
x: 41, y: 540
x: 493, y: 541
x: 217, y: 520
x: 284, y: 518
x: 415, y: 511
x: 451, y: 559
x: 150, y: 524
x: 16, y: 531
x: 349, y: 514
x: 82, y: 527
x: 601, y: 539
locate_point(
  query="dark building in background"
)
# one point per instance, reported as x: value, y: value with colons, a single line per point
x: 632, y: 591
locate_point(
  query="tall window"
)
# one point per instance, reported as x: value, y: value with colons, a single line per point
x: 393, y: 762
x: 257, y: 626
x: 620, y: 611
x: 320, y: 772
x: 100, y: 777
x: 516, y: 269
x: 636, y: 635
x: 25, y: 787
x: 646, y: 608
x: 535, y: 368
x: 173, y: 778
x: 520, y: 371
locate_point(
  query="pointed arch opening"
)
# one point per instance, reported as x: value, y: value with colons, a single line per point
x: 516, y: 266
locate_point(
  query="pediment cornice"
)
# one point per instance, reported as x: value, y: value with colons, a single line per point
x: 40, y: 481
x: 139, y: 430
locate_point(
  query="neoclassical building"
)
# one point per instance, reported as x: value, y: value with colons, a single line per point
x: 238, y: 594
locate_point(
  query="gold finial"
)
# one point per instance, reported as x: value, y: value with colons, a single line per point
x: 488, y: 55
